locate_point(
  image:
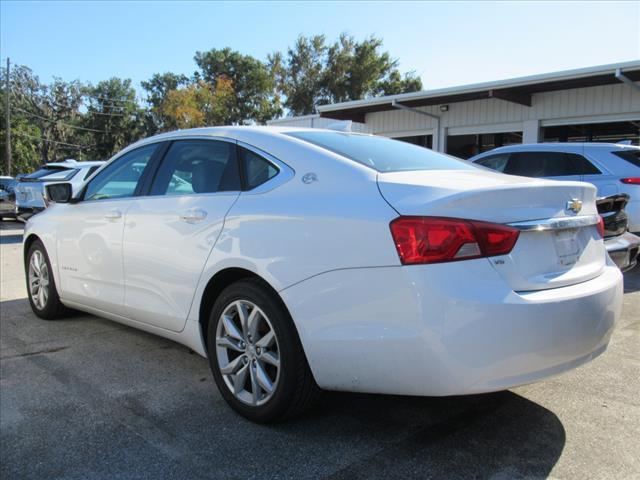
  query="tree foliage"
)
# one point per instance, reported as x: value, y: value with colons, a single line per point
x: 253, y: 85
x: 313, y: 73
x: 67, y: 119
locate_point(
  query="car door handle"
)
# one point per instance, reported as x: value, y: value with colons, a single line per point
x: 193, y: 216
x: 113, y: 215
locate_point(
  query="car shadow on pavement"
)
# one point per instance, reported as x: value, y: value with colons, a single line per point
x: 498, y: 435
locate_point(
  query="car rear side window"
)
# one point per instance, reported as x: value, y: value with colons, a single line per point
x: 197, y: 166
x: 548, y: 164
x: 496, y: 162
x: 631, y: 156
x: 382, y: 154
x: 257, y: 170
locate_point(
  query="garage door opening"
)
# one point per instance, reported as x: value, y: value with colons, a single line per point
x: 612, y: 132
x: 466, y: 146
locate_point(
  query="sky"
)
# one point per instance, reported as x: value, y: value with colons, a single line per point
x: 446, y: 43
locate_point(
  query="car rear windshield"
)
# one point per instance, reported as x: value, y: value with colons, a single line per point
x: 382, y: 154
x: 50, y: 174
x: 631, y: 156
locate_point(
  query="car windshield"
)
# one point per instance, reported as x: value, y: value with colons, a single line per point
x: 382, y: 154
x: 50, y: 173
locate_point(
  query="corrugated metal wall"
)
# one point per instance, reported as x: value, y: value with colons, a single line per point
x: 584, y: 105
x: 603, y: 103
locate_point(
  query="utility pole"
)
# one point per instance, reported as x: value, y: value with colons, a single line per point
x: 7, y: 98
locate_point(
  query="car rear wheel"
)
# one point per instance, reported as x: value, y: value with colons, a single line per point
x: 256, y: 356
x: 41, y: 286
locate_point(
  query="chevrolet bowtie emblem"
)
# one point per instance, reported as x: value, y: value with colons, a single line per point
x: 574, y: 205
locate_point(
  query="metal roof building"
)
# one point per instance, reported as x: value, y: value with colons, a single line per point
x: 599, y: 103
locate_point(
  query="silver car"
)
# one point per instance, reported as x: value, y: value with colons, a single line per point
x: 30, y: 188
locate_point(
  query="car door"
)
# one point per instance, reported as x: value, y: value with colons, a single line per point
x: 606, y: 184
x: 89, y: 239
x: 170, y: 232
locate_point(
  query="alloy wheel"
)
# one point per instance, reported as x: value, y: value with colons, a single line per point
x: 38, y: 279
x: 247, y: 352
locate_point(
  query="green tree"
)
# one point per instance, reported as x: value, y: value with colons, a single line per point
x: 157, y: 88
x: 113, y: 116
x: 197, y: 105
x: 302, y: 75
x: 44, y: 118
x: 252, y: 81
x: 313, y: 74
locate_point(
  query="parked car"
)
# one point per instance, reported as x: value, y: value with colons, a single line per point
x: 305, y: 259
x: 613, y: 168
x: 623, y: 247
x: 7, y: 197
x: 30, y: 188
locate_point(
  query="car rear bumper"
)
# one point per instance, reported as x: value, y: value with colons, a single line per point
x: 447, y: 329
x: 623, y: 250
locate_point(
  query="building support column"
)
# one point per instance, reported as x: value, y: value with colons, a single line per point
x: 440, y: 138
x: 531, y: 131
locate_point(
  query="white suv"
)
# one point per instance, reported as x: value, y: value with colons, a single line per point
x: 30, y: 188
x: 612, y: 168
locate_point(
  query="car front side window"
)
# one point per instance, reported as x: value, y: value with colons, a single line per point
x: 120, y: 178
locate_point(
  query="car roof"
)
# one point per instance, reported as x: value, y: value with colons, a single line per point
x: 242, y: 133
x: 557, y: 147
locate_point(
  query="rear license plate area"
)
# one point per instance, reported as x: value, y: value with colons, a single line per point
x: 567, y: 246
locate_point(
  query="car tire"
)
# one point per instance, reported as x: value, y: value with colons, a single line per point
x: 265, y: 352
x: 41, y: 286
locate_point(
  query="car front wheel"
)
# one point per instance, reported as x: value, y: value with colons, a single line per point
x: 256, y: 356
x: 41, y: 286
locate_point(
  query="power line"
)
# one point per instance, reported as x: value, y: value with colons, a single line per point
x: 57, y: 121
x: 52, y: 141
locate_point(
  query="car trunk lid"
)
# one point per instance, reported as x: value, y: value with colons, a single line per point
x: 556, y: 246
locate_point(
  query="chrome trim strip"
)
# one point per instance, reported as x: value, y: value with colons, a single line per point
x: 562, y: 223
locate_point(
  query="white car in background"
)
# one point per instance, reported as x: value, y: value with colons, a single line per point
x: 613, y: 168
x: 305, y: 259
x: 30, y: 188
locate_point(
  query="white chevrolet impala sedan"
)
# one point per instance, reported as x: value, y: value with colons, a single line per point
x: 297, y: 260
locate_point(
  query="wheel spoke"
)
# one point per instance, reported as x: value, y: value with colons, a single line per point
x: 239, y: 379
x: 233, y: 366
x: 267, y: 340
x: 254, y: 386
x: 41, y: 301
x: 231, y: 328
x: 252, y: 323
x: 35, y: 264
x: 230, y: 343
x: 242, y: 316
x: 270, y: 357
x: 263, y: 379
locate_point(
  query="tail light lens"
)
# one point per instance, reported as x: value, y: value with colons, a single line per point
x: 601, y: 227
x: 631, y: 181
x: 437, y: 239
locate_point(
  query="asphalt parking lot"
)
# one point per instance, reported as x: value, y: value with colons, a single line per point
x: 86, y: 398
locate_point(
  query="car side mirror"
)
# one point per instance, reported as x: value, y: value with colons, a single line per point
x: 58, y: 193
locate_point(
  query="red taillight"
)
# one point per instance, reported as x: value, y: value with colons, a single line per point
x: 601, y: 227
x: 437, y: 239
x: 631, y: 181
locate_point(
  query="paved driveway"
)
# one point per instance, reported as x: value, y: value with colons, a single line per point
x: 87, y: 398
